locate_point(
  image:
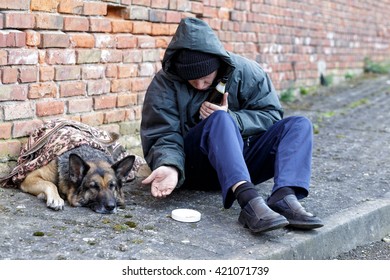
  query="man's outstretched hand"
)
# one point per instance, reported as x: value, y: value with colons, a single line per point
x: 163, y: 181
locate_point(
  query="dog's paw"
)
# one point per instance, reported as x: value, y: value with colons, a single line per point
x: 55, y: 203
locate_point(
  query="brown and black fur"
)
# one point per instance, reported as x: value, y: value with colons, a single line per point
x: 84, y: 177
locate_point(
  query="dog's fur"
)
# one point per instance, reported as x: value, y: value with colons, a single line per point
x: 83, y: 176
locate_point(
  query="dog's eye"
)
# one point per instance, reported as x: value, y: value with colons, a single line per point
x: 93, y: 185
x: 112, y: 185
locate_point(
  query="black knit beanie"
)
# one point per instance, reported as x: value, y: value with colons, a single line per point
x: 192, y: 65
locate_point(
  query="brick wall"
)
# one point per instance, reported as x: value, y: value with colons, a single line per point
x: 92, y: 60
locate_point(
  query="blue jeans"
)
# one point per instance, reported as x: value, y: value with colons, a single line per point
x: 218, y: 157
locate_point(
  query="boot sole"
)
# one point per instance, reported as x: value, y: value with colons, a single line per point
x: 301, y: 225
x: 276, y: 224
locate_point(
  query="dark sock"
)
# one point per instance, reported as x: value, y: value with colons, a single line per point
x: 244, y: 193
x: 280, y: 194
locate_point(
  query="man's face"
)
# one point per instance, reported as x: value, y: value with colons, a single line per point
x: 205, y: 82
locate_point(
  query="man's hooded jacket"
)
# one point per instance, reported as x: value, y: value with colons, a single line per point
x: 171, y: 105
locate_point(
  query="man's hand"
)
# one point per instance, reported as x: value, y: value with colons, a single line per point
x: 163, y: 181
x: 208, y: 108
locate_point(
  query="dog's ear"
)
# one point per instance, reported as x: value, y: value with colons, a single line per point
x: 77, y: 168
x: 123, y: 167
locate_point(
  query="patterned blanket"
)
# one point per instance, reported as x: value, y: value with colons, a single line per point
x: 54, y: 138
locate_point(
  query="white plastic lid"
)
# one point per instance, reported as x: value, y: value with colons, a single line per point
x: 186, y: 215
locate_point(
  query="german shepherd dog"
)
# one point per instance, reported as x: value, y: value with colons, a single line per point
x: 84, y: 176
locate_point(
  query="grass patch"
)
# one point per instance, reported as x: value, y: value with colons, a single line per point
x: 358, y: 103
x: 376, y: 67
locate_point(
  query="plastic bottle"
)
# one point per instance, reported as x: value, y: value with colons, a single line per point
x: 216, y: 95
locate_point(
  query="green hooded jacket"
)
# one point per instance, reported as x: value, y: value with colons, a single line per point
x: 171, y: 105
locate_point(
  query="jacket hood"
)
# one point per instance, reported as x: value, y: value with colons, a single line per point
x: 197, y: 35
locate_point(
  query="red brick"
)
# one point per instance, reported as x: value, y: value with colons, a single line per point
x: 111, y: 56
x: 114, y: 116
x: 12, y: 39
x: 5, y: 130
x: 122, y: 26
x: 23, y: 56
x: 130, y: 114
x: 138, y: 13
x: 44, y: 5
x: 92, y: 72
x: 18, y: 110
x: 119, y: 85
x: 50, y: 108
x: 82, y: 40
x: 111, y: 71
x: 140, y: 84
x: 126, y: 41
x: 157, y: 16
x: 49, y: 21
x: 25, y: 128
x: 146, y: 69
x: 46, y: 73
x: 141, y: 2
x: 63, y: 73
x: 68, y: 89
x: 42, y: 90
x: 162, y: 4
x: 183, y: 5
x: 127, y: 70
x: 88, y: 56
x: 132, y: 56
x: 33, y: 38
x: 104, y: 102
x: 94, y: 119
x: 19, y: 21
x: 13, y: 92
x: 103, y: 41
x: 160, y: 29
x: 28, y: 74
x: 151, y: 55
x: 142, y: 27
x: 79, y: 105
x: 173, y: 17
x: 225, y: 14
x: 128, y: 99
x: 70, y: 6
x: 54, y: 40
x: 67, y: 56
x: 10, y: 149
x: 100, y: 25
x: 3, y: 57
x: 98, y: 87
x: 74, y: 23
x: 162, y: 42
x: 137, y: 111
x: 14, y: 5
x: 10, y: 75
x: 146, y: 42
x: 210, y: 12
x: 196, y: 8
x: 95, y: 9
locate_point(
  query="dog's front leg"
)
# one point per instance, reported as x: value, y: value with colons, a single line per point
x: 41, y: 182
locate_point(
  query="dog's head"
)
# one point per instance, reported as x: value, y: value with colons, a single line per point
x: 98, y: 185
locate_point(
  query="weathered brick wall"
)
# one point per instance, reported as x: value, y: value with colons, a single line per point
x: 92, y: 60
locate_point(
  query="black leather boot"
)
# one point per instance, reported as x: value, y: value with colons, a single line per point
x: 258, y: 217
x: 296, y: 215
